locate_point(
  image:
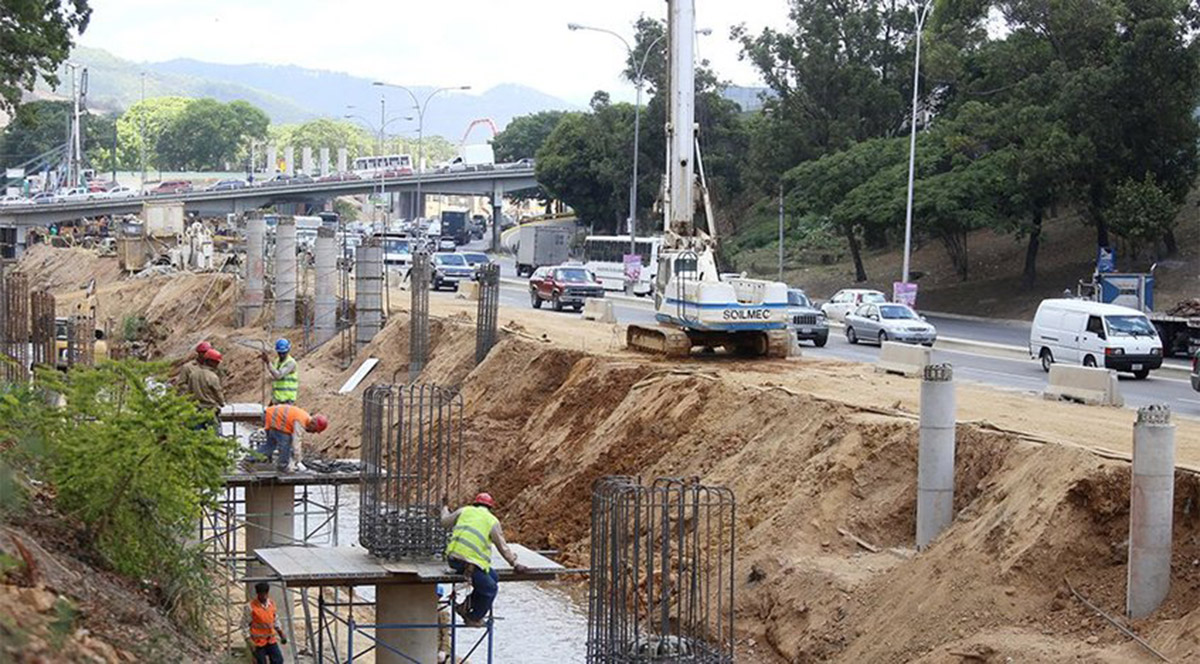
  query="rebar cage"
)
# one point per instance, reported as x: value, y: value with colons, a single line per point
x: 489, y: 304
x: 661, y: 572
x: 412, y: 459
x: 418, y: 323
x: 15, y: 330
x: 42, y: 305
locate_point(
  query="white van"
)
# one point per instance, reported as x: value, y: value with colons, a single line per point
x: 1095, y: 335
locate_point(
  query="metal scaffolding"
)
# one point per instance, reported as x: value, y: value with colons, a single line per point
x: 489, y: 304
x: 662, y: 561
x: 418, y: 323
x: 16, y: 326
x: 43, y: 337
x: 412, y: 459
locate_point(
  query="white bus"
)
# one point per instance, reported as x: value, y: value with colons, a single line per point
x: 387, y: 166
x: 604, y: 255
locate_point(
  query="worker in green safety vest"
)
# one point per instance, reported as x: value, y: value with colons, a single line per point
x: 475, y: 530
x: 285, y: 373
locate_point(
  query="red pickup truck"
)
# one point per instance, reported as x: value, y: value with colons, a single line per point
x: 563, y: 286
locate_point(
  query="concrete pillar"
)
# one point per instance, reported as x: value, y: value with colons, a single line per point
x: 1151, y: 506
x: 343, y: 158
x: 272, y: 161
x: 935, y: 455
x: 368, y: 292
x: 497, y: 214
x: 252, y: 292
x: 285, y: 273
x: 324, y: 162
x: 325, y: 300
x: 270, y: 521
x: 289, y: 160
x: 306, y: 159
x: 406, y: 604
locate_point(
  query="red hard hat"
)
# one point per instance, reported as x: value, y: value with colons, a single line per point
x: 203, y: 347
x: 484, y: 499
x: 319, y: 422
x: 213, y: 355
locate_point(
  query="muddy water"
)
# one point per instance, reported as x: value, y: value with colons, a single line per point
x: 537, y: 623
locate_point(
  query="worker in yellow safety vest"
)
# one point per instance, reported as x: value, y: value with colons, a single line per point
x: 285, y: 373
x: 475, y: 530
x: 262, y: 626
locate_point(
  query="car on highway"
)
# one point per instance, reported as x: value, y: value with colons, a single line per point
x: 448, y: 270
x: 42, y: 198
x: 228, y: 185
x: 72, y: 194
x: 171, y: 187
x: 806, y: 321
x: 476, y: 259
x: 121, y: 192
x: 563, y: 286
x: 888, y: 321
x: 13, y: 199
x: 849, y: 299
x: 301, y: 178
x: 1094, y: 334
x: 277, y: 180
x: 446, y: 244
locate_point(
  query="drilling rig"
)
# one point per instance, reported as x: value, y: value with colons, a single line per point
x: 694, y: 306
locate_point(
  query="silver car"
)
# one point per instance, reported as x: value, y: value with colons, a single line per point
x: 878, y: 323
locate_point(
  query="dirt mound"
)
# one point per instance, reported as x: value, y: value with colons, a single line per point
x: 62, y: 270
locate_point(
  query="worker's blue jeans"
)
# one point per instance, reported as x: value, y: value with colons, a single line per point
x: 277, y: 441
x: 485, y: 585
x: 268, y: 653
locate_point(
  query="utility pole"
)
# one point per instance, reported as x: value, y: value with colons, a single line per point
x: 920, y: 13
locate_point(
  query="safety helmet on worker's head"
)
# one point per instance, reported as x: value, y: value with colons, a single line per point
x: 213, y: 355
x: 318, y: 423
x: 203, y: 347
x: 283, y: 346
x: 484, y: 498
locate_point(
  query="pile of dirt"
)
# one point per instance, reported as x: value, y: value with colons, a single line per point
x: 61, y: 270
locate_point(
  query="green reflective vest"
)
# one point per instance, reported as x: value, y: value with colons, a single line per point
x: 471, y: 538
x: 285, y: 389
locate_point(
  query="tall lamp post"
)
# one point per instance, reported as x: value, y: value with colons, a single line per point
x: 382, y: 125
x: 420, y: 107
x: 920, y: 13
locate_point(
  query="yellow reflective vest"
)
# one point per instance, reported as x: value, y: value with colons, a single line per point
x: 284, y: 389
x: 471, y: 538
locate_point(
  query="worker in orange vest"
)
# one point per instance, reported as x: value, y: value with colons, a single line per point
x: 262, y: 627
x: 280, y: 422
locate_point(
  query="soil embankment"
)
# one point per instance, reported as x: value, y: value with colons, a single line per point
x: 810, y: 448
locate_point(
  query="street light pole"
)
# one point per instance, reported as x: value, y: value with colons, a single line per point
x: 380, y: 134
x: 142, y: 130
x: 920, y: 13
x: 420, y: 108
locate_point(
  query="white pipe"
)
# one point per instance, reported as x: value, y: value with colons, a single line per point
x: 682, y: 118
x: 935, y: 454
x: 1151, y: 504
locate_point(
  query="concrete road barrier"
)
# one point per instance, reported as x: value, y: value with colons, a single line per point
x: 468, y: 290
x: 1085, y: 385
x: 599, y: 310
x: 903, y: 359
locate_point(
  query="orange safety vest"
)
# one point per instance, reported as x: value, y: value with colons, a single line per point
x: 284, y: 418
x: 262, y: 623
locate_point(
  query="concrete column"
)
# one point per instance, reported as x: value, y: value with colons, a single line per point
x: 935, y: 455
x: 325, y: 300
x: 324, y: 162
x: 306, y: 159
x: 368, y: 292
x: 406, y: 604
x: 1151, y: 505
x: 252, y: 292
x: 285, y: 273
x: 270, y: 521
x: 289, y: 160
x: 497, y: 214
x: 272, y: 161
x: 343, y: 160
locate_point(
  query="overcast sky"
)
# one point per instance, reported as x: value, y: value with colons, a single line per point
x: 435, y: 42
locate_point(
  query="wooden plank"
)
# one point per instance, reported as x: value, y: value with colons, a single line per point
x: 359, y: 374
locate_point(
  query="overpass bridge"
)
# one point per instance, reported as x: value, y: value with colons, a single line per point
x: 491, y: 183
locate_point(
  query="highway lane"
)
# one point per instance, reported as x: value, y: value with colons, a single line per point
x: 1008, y: 374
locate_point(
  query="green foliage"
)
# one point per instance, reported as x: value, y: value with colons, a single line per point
x: 525, y: 135
x: 35, y: 37
x: 142, y: 125
x: 324, y: 132
x: 22, y: 442
x: 40, y: 126
x: 1141, y: 212
x: 345, y: 210
x: 66, y: 615
x: 585, y: 163
x: 209, y: 135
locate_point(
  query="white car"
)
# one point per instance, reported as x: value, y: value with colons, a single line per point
x: 849, y: 299
x: 1093, y: 334
x: 73, y: 194
x: 120, y: 192
x: 12, y: 200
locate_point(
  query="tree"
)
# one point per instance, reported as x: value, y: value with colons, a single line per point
x: 525, y: 135
x: 35, y: 38
x: 1142, y: 212
x: 39, y: 128
x: 584, y: 163
x: 140, y: 127
x: 209, y: 135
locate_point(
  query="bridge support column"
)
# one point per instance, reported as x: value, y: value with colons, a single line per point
x: 270, y: 522
x: 343, y: 155
x: 306, y: 160
x: 272, y: 161
x: 289, y: 161
x: 368, y: 292
x: 497, y: 214
x: 324, y: 162
x: 325, y: 310
x: 252, y: 292
x: 406, y: 604
x: 285, y: 273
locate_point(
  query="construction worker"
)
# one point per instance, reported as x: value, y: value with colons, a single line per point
x: 204, y: 384
x: 475, y: 530
x: 262, y: 626
x: 187, y: 367
x: 280, y: 422
x: 285, y: 373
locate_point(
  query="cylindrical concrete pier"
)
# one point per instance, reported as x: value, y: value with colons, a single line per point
x: 325, y: 300
x: 289, y: 161
x: 368, y: 292
x: 935, y: 454
x: 252, y: 292
x: 406, y: 604
x: 1151, y: 504
x: 285, y: 273
x: 270, y: 521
